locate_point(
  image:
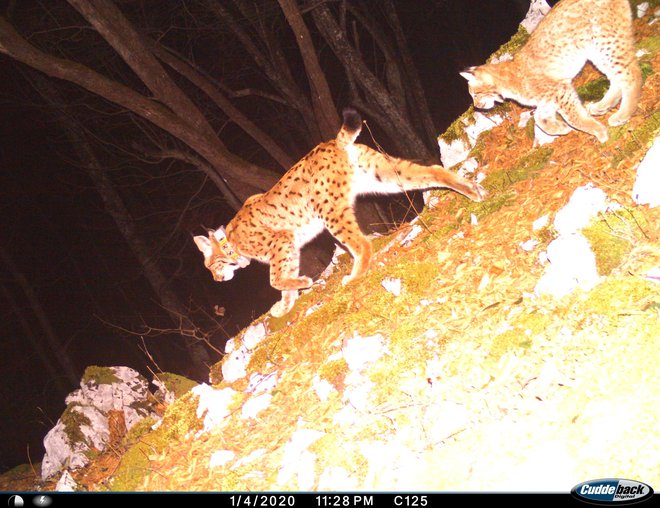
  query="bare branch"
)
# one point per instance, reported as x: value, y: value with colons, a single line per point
x: 213, y: 92
x: 244, y: 177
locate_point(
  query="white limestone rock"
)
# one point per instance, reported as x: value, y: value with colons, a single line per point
x: 572, y: 265
x: 253, y: 335
x: 336, y: 478
x: 260, y: 383
x: 392, y: 285
x: 220, y: 458
x: 361, y: 351
x: 298, y: 463
x: 322, y: 388
x: 213, y: 404
x: 642, y: 9
x: 457, y: 150
x: 453, y: 152
x: 536, y: 12
x: 255, y: 405
x: 235, y: 367
x: 84, y: 423
x: 66, y: 483
x: 585, y: 204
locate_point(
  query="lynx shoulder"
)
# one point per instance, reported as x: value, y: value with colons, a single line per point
x: 540, y: 74
x: 317, y: 193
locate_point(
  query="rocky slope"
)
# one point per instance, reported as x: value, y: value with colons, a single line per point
x: 444, y: 368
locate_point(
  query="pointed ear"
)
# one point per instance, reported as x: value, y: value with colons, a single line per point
x: 469, y: 74
x: 204, y: 245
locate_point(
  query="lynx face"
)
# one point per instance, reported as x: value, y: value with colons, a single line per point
x: 219, y: 256
x: 482, y: 88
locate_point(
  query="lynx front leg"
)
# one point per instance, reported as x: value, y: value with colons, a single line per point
x: 284, y: 268
x: 445, y: 178
x: 285, y: 263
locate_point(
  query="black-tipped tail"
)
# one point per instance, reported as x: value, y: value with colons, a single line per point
x: 350, y: 129
x: 352, y: 120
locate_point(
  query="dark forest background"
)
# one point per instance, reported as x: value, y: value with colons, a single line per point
x: 130, y: 126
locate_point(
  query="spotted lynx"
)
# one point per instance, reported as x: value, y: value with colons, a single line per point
x: 317, y: 193
x: 540, y: 74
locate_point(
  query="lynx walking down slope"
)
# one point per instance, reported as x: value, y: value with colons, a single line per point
x: 540, y: 74
x: 317, y: 193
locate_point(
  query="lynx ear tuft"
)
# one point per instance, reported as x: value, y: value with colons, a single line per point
x: 204, y: 245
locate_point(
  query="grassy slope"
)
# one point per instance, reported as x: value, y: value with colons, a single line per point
x: 481, y: 385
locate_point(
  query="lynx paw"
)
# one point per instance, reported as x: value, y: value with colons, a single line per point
x: 347, y: 280
x: 598, y: 108
x: 601, y: 133
x: 617, y: 119
x: 281, y: 308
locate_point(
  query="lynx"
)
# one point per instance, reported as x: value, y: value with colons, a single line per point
x: 540, y: 74
x: 317, y: 193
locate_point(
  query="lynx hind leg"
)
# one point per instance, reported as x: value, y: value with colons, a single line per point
x: 412, y: 176
x: 345, y: 228
x: 630, y: 85
x: 609, y: 100
x: 619, y: 64
x: 361, y: 260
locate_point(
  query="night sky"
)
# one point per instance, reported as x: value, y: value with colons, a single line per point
x: 58, y: 240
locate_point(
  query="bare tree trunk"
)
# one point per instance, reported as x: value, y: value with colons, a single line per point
x: 111, y: 24
x: 244, y: 178
x: 115, y: 206
x: 55, y: 345
x: 420, y: 106
x: 353, y: 63
x: 393, y: 77
x: 324, y: 107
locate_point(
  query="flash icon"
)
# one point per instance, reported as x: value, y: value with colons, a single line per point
x: 42, y: 501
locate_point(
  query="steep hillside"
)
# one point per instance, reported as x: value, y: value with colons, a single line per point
x: 442, y: 369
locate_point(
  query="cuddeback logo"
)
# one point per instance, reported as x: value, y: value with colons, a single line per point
x: 612, y: 491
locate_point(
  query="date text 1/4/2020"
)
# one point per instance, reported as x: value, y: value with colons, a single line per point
x: 325, y: 500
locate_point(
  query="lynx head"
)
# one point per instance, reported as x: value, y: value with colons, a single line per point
x: 483, y: 84
x: 219, y: 256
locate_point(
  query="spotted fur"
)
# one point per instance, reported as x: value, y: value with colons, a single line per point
x: 318, y: 193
